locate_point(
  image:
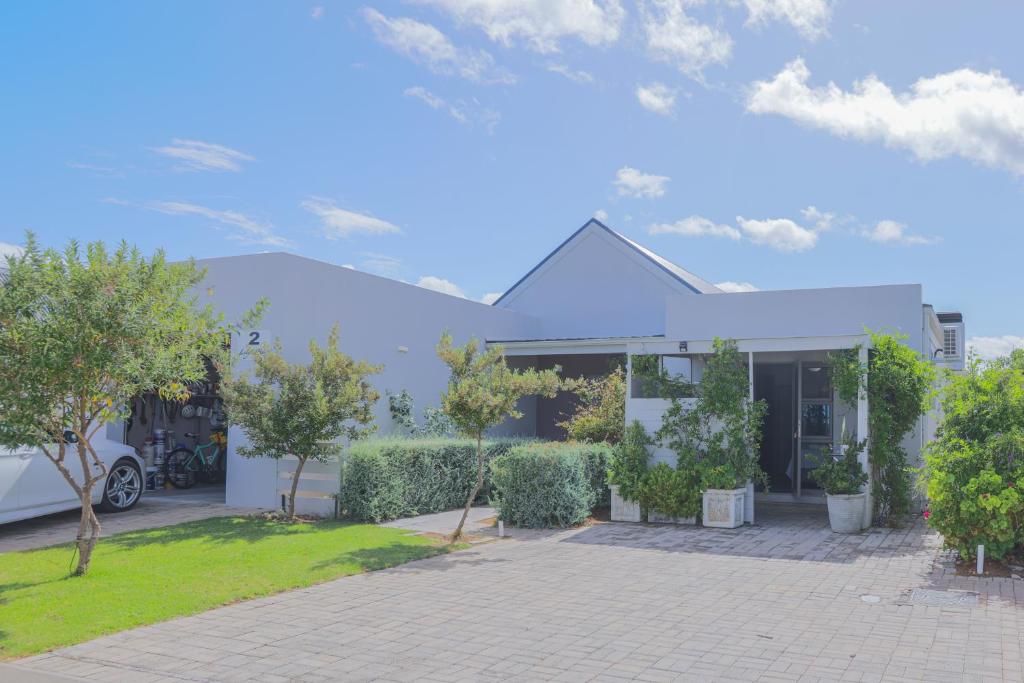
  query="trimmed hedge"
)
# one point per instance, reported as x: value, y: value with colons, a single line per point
x: 549, y: 484
x: 388, y: 478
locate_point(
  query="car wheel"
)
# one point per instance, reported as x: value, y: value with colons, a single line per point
x: 123, y: 486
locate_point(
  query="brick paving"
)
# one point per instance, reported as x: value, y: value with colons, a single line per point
x: 153, y: 510
x: 786, y: 600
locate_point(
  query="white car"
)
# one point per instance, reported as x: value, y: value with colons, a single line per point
x: 31, y: 485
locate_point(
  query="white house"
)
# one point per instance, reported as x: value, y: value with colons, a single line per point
x: 597, y: 298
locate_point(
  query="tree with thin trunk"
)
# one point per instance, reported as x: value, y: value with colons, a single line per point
x: 82, y: 333
x: 482, y: 393
x: 302, y: 410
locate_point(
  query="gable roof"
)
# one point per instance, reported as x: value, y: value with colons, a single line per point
x: 684, y: 277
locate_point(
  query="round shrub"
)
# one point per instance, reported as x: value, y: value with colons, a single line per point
x: 543, y: 485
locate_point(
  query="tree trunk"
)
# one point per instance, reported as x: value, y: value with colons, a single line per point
x: 88, y: 531
x: 295, y: 486
x: 476, y: 488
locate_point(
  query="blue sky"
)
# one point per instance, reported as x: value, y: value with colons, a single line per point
x: 772, y: 143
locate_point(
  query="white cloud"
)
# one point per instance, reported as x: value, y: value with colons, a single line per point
x: 656, y: 97
x: 336, y: 222
x: 246, y: 229
x: 490, y: 297
x: 633, y: 183
x: 822, y: 220
x: 317, y: 12
x: 382, y: 264
x: 196, y: 155
x: 730, y: 286
x: 892, y: 232
x: 676, y: 38
x: 573, y: 75
x: 601, y: 215
x: 435, y: 102
x: 465, y: 112
x: 994, y: 347
x: 425, y: 44
x: 781, y: 234
x: 695, y: 226
x: 974, y: 115
x: 439, y: 284
x: 540, y: 24
x: 809, y: 17
x: 349, y: 266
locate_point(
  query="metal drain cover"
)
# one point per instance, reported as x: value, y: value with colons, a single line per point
x: 927, y: 596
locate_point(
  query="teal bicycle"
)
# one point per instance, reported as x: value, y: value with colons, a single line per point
x: 185, y: 466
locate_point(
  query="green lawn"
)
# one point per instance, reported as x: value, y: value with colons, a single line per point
x: 142, y: 577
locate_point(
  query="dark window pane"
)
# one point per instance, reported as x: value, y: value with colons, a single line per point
x: 815, y: 382
x: 816, y: 419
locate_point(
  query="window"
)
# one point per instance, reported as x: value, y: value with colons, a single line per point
x: 949, y: 345
x: 656, y: 376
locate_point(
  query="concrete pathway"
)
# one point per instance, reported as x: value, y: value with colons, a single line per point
x: 786, y: 600
x: 479, y: 521
x: 153, y: 510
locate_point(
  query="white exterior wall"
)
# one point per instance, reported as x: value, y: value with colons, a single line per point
x: 376, y: 317
x: 835, y: 312
x: 596, y: 286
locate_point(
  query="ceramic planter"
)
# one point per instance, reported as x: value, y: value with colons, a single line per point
x: 846, y: 512
x: 623, y: 510
x: 723, y: 508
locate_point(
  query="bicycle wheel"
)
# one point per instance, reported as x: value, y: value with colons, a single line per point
x: 179, y: 468
x: 214, y: 471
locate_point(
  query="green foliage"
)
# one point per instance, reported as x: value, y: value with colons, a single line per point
x: 974, y: 470
x: 548, y: 484
x: 601, y: 412
x: 842, y: 475
x: 384, y: 479
x: 483, y: 390
x: 721, y: 427
x: 719, y: 477
x: 987, y: 399
x: 435, y: 422
x: 651, y: 380
x: 302, y: 410
x: 898, y: 382
x: 671, y: 491
x: 83, y: 332
x: 400, y: 407
x: 629, y: 461
x: 974, y: 496
x: 482, y: 393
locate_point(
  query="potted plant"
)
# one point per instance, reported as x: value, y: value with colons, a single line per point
x: 670, y: 495
x: 626, y: 472
x: 724, y: 496
x: 842, y: 478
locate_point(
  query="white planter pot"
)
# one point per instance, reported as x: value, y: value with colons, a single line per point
x: 723, y: 508
x: 623, y: 510
x: 656, y: 517
x: 846, y: 512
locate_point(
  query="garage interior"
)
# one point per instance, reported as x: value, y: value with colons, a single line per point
x: 184, y: 444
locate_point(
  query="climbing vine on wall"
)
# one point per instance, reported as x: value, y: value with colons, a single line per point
x: 898, y: 383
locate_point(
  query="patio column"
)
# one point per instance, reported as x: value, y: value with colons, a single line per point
x: 748, y: 506
x: 862, y: 433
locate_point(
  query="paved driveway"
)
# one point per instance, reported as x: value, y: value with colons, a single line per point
x: 153, y: 510
x: 786, y: 600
